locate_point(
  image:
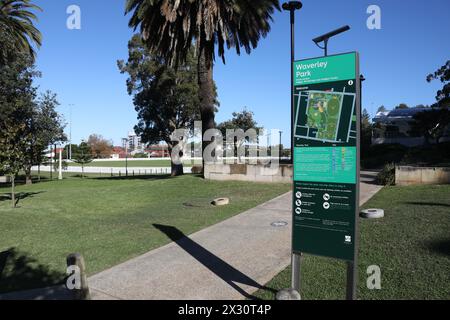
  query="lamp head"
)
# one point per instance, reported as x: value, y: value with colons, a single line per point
x: 292, y: 5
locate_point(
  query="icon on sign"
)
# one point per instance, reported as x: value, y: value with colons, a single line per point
x: 298, y: 211
x: 326, y: 197
x: 348, y: 239
x: 298, y: 195
x: 326, y: 205
x: 298, y: 203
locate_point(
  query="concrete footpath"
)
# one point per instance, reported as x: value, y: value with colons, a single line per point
x: 229, y: 260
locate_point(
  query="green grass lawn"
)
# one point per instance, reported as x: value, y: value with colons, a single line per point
x: 107, y: 220
x: 134, y: 163
x: 411, y: 245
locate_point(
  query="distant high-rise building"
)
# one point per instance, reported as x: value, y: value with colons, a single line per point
x: 133, y: 143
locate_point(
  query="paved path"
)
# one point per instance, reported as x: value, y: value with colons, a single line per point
x: 229, y: 260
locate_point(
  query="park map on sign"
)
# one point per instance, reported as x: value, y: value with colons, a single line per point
x: 325, y: 115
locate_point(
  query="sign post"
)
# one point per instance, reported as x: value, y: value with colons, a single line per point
x: 326, y: 160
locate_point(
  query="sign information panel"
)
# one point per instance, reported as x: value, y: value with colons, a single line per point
x: 326, y: 156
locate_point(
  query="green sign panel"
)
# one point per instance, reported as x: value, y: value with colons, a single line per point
x: 326, y: 156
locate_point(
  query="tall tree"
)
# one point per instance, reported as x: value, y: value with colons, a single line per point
x: 83, y: 157
x: 46, y: 128
x: 16, y: 102
x: 243, y: 120
x: 101, y: 148
x: 165, y: 99
x: 443, y: 75
x: 431, y: 124
x: 170, y: 27
x: 366, y: 133
x: 16, y: 24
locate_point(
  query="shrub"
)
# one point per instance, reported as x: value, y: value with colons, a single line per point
x: 386, y: 176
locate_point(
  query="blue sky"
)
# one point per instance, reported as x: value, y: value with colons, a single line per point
x: 80, y: 65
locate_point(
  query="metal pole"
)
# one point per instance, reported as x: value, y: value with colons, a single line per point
x: 296, y: 270
x: 60, y: 176
x: 292, y: 80
x: 296, y: 258
x: 281, y: 149
x: 351, y: 280
x: 126, y: 158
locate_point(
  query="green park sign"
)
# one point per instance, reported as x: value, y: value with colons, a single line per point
x: 326, y: 156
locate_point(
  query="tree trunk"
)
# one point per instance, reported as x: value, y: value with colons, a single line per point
x: 176, y: 169
x: 39, y: 173
x: 206, y: 95
x: 28, y: 179
x: 82, y: 171
x: 13, y: 192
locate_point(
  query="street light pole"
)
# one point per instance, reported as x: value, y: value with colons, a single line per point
x: 281, y: 149
x: 291, y: 6
x: 69, y: 155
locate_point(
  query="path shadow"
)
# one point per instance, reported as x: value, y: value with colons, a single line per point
x: 19, y: 272
x: 441, y: 247
x: 222, y: 269
x: 19, y: 196
x: 433, y: 204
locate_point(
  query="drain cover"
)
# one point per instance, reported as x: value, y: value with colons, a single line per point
x: 279, y: 224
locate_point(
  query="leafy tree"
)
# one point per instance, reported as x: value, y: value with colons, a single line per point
x: 17, y: 30
x: 402, y: 106
x: 13, y: 141
x: 431, y: 124
x: 83, y: 157
x: 382, y: 109
x: 241, y: 120
x: 101, y: 148
x: 67, y: 148
x: 443, y: 75
x: 165, y: 99
x: 169, y: 28
x: 366, y: 133
x: 16, y: 101
x: 46, y: 128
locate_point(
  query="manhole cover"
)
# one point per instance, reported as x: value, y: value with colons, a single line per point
x: 279, y: 224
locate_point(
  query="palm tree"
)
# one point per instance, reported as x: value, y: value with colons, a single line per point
x: 170, y: 27
x: 16, y: 24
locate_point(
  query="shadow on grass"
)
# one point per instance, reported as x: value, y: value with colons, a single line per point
x: 441, y: 247
x: 20, y: 272
x: 222, y: 269
x: 19, y: 196
x: 432, y: 204
x: 136, y: 177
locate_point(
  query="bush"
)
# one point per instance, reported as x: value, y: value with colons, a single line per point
x: 197, y: 169
x: 140, y: 156
x: 386, y: 176
x: 378, y: 156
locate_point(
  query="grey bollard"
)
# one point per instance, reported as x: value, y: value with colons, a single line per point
x: 76, y: 259
x: 288, y: 294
